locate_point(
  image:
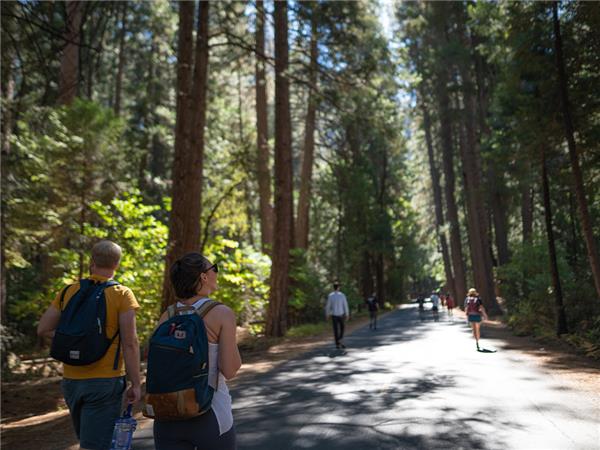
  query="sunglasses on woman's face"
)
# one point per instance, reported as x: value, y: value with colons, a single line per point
x: 214, y: 268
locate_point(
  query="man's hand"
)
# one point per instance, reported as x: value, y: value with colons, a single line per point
x: 133, y: 394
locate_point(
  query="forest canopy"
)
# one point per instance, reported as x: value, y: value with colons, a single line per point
x: 302, y: 143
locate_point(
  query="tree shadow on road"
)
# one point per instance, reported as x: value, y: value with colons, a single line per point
x: 330, y: 400
x: 553, y: 353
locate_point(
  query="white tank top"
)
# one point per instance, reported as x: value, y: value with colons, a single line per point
x: 221, y: 401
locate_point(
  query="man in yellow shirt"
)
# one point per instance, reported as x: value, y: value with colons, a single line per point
x: 94, y: 392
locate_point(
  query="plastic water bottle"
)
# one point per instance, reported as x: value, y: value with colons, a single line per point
x: 123, y: 432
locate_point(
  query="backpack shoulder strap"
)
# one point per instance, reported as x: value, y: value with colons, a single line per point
x: 62, y: 296
x: 206, y: 307
x: 105, y: 286
x: 171, y: 310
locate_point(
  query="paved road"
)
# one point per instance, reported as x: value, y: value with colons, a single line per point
x: 413, y: 385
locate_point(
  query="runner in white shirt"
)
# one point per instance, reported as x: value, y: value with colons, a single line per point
x: 337, y: 309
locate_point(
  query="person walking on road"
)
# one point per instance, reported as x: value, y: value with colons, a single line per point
x: 435, y: 306
x: 373, y: 307
x: 421, y: 301
x: 337, y: 309
x: 450, y: 305
x: 93, y: 391
x: 194, y: 278
x: 474, y: 310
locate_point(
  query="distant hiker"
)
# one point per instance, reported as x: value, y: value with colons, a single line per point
x: 421, y: 301
x: 373, y: 307
x: 474, y: 310
x: 337, y: 309
x: 450, y: 305
x: 435, y: 306
x: 194, y: 278
x: 90, y: 322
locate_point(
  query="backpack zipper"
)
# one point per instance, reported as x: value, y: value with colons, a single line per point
x: 170, y: 347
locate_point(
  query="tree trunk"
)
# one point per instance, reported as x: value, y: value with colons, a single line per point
x: 263, y: 172
x: 69, y: 62
x: 8, y: 93
x: 458, y: 264
x: 584, y: 214
x: 499, y: 217
x: 248, y: 199
x: 437, y: 198
x: 561, y: 320
x: 526, y: 211
x: 284, y: 226
x: 366, y: 274
x: 182, y: 172
x: 197, y: 108
x: 302, y: 223
x: 380, y: 280
x: 476, y: 218
x: 575, y: 238
x: 121, y: 63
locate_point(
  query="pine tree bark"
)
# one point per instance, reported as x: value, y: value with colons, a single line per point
x: 284, y: 226
x: 526, y: 212
x: 263, y: 172
x: 69, y: 62
x: 456, y: 252
x: 561, y: 319
x: 121, y: 63
x: 477, y: 223
x: 437, y: 199
x: 582, y: 203
x: 365, y: 268
x: 477, y: 220
x: 499, y: 217
x: 184, y: 230
x: 380, y: 279
x: 302, y: 221
x: 496, y: 198
x: 8, y: 93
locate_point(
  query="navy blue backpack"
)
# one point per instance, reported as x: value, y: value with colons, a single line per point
x: 80, y: 337
x: 177, y: 378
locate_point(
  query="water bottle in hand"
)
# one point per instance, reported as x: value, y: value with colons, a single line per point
x: 123, y: 432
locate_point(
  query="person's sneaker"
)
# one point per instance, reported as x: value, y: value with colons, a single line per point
x: 342, y: 345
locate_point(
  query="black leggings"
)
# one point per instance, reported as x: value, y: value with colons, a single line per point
x: 199, y: 433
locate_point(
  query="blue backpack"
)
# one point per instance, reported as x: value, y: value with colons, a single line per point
x: 177, y: 377
x: 80, y: 337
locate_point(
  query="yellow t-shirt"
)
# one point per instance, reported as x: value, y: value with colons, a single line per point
x: 119, y: 299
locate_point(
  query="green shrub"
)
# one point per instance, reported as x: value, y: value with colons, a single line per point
x: 243, y: 278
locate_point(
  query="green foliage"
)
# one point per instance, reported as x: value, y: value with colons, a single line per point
x: 129, y: 222
x: 243, y: 278
x: 527, y: 289
x: 308, y: 329
x: 62, y: 160
x: 309, y: 287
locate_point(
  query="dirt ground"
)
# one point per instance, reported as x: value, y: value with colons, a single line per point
x: 34, y: 415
